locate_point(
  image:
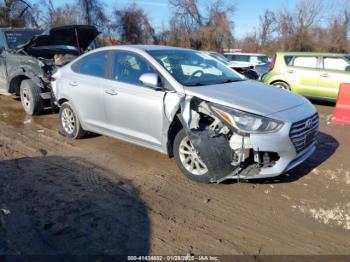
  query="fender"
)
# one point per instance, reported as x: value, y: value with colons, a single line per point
x: 16, y: 77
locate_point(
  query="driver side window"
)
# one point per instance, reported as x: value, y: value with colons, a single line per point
x: 128, y: 67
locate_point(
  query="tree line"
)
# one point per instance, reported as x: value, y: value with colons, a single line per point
x: 308, y: 25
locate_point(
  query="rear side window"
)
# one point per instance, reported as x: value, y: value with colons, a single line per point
x: 93, y: 64
x: 305, y: 61
x: 335, y: 63
x: 288, y: 60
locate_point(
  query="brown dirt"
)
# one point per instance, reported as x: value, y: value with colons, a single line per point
x: 103, y: 196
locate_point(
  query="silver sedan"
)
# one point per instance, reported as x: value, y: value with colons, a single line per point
x: 186, y: 104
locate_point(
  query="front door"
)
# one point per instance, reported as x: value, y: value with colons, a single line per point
x: 133, y: 110
x: 303, y: 75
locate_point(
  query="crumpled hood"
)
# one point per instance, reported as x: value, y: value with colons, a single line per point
x: 249, y: 96
x: 65, y: 36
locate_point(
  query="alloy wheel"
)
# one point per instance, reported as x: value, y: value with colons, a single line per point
x: 190, y: 159
x: 68, y: 120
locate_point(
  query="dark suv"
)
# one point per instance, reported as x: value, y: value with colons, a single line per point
x: 29, y: 57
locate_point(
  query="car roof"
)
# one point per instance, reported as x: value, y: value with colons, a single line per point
x: 245, y: 54
x: 141, y: 48
x: 309, y: 54
x: 153, y: 47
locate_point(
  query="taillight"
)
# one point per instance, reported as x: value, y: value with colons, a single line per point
x: 272, y: 64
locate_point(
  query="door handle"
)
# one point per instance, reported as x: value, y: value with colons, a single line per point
x: 325, y: 75
x: 291, y: 71
x: 111, y: 92
x: 73, y: 83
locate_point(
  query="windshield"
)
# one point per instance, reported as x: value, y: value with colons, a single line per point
x: 220, y: 57
x: 191, y: 68
x: 17, y: 38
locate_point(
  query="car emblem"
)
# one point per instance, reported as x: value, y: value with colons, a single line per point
x: 308, y: 123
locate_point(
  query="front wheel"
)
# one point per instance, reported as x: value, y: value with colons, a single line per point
x: 31, y: 100
x: 188, y: 160
x: 69, y: 122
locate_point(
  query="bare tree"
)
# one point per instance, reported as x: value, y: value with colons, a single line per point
x: 93, y: 12
x: 14, y: 13
x: 295, y: 27
x: 191, y: 28
x: 267, y: 27
x: 68, y: 14
x: 188, y: 14
x: 338, y: 30
x: 133, y: 26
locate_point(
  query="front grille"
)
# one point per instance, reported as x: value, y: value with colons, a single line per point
x: 304, y: 133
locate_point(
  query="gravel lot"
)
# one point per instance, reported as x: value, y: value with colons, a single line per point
x: 103, y: 196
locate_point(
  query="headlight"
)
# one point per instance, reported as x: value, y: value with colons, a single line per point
x: 246, y: 122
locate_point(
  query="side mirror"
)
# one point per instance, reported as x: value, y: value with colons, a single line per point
x: 150, y: 80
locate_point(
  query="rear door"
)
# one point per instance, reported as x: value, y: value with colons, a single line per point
x: 302, y: 74
x: 3, y: 72
x: 334, y: 73
x: 134, y: 111
x: 86, y: 86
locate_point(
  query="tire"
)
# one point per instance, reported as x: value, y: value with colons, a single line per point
x: 69, y: 122
x: 204, y: 178
x: 282, y: 85
x: 212, y: 164
x: 31, y: 100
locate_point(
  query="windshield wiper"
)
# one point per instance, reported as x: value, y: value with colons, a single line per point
x: 230, y: 81
x: 195, y: 84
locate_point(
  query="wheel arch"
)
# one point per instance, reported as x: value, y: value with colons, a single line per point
x: 14, y: 84
x: 281, y: 81
x: 173, y: 130
x: 61, y: 101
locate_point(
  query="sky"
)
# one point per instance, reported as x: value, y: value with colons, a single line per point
x: 246, y: 17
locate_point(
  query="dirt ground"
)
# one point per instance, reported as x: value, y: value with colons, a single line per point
x: 103, y: 196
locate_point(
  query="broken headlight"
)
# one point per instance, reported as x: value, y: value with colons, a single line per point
x: 247, y: 122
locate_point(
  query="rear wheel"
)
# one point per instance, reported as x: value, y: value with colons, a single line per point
x: 69, y: 122
x: 282, y: 85
x: 31, y: 100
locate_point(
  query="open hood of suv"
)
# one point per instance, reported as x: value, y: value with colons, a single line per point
x: 72, y: 35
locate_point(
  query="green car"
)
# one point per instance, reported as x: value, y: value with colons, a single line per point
x: 314, y: 75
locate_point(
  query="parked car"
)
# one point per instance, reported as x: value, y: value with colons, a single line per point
x: 314, y: 75
x: 216, y: 124
x: 258, y: 62
x: 29, y: 58
x: 247, y: 71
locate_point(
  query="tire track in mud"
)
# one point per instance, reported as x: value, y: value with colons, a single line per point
x: 61, y: 214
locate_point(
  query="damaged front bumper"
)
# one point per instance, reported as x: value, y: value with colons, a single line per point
x: 250, y: 155
x: 279, y: 143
